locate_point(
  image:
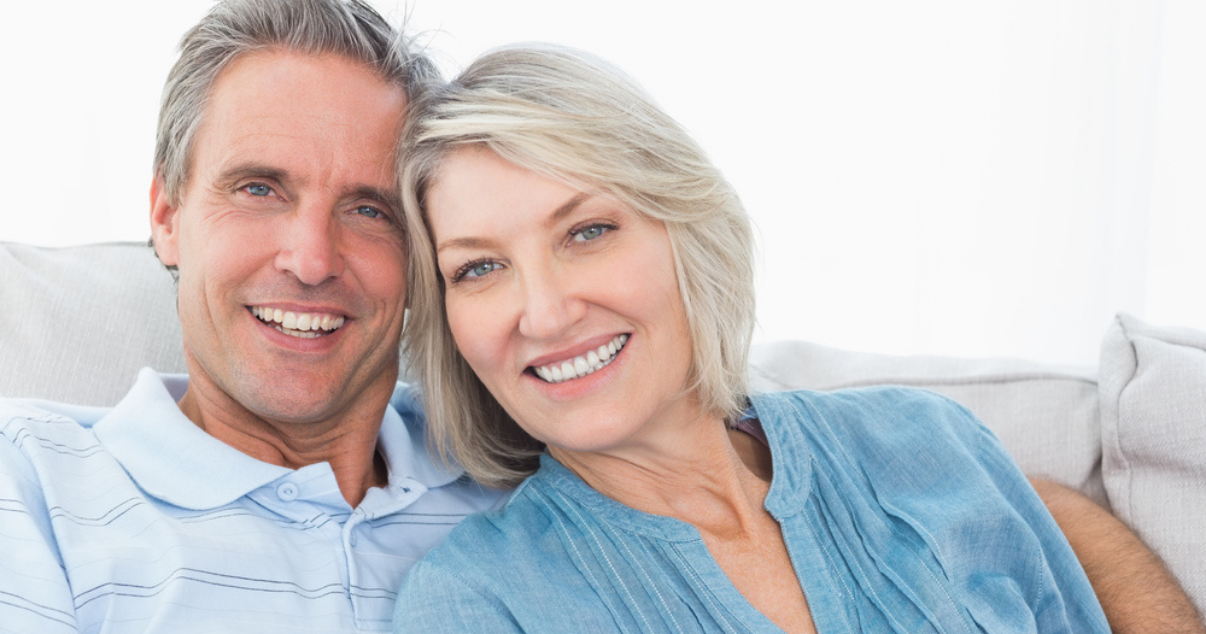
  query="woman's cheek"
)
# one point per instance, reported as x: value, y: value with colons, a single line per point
x: 473, y: 329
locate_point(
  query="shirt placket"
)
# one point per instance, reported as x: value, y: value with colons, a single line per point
x: 377, y: 503
x: 287, y: 497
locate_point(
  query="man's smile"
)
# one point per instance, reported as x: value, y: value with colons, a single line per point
x: 303, y: 325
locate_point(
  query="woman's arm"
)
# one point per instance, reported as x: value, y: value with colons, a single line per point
x: 1136, y: 591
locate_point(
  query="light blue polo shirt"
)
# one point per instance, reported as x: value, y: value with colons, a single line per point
x: 132, y: 519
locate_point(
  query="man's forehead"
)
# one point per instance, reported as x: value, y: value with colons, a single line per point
x: 290, y: 85
x: 301, y: 113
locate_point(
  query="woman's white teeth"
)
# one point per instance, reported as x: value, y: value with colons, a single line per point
x: 304, y: 325
x: 589, y: 363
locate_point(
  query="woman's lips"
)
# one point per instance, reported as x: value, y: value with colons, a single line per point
x: 582, y: 365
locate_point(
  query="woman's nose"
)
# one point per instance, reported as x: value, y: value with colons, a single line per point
x: 551, y: 304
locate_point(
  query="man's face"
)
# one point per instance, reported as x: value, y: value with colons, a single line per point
x: 292, y: 265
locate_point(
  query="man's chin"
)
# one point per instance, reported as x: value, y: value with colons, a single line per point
x: 274, y: 396
x: 302, y: 398
x: 289, y: 394
x: 297, y: 404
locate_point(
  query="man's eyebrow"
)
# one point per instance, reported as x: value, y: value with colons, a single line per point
x: 240, y: 171
x: 384, y: 197
x: 473, y: 242
x: 251, y: 170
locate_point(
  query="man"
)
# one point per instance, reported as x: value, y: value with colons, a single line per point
x: 275, y: 488
x: 284, y: 484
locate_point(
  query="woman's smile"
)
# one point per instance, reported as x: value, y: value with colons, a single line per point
x: 581, y: 365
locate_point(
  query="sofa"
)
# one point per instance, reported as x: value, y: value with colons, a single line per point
x: 1130, y: 433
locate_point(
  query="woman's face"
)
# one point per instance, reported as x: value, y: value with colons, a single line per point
x: 565, y: 303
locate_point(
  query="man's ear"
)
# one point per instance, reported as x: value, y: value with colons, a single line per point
x: 165, y: 224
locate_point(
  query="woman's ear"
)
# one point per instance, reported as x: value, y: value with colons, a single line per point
x: 165, y: 224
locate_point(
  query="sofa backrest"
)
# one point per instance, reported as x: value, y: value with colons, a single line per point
x: 81, y: 321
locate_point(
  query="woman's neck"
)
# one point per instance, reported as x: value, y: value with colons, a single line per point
x: 700, y: 473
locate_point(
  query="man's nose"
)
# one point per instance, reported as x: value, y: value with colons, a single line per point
x: 311, y: 247
x: 551, y: 303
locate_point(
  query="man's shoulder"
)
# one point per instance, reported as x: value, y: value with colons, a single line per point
x: 48, y: 423
x: 37, y: 411
x: 34, y: 410
x: 43, y: 434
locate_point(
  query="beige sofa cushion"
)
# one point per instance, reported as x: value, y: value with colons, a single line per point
x: 1046, y: 416
x: 1153, y: 417
x: 81, y: 321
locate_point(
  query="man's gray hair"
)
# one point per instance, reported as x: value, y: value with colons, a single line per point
x: 232, y: 28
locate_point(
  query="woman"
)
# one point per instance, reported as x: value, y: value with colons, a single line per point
x: 581, y: 310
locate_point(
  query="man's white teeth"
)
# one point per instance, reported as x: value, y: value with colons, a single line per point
x: 304, y: 325
x: 588, y: 363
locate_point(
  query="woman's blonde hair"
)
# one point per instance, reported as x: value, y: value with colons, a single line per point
x: 572, y: 117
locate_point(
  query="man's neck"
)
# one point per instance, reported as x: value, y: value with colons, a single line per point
x: 348, y: 443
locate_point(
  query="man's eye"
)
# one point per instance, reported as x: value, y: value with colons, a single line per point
x: 258, y: 190
x: 586, y: 234
x: 369, y: 212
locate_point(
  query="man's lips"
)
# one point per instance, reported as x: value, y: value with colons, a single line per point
x: 298, y: 324
x: 582, y: 365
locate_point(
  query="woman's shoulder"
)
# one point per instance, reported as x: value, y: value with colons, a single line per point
x: 881, y: 413
x: 875, y: 396
x: 887, y: 432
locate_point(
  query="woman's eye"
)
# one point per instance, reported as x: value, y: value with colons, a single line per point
x: 590, y: 233
x: 477, y: 269
x: 258, y: 190
x: 482, y: 268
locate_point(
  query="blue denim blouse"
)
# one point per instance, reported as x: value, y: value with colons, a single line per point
x: 900, y: 511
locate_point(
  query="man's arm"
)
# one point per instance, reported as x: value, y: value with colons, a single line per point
x: 1136, y: 591
x: 35, y: 595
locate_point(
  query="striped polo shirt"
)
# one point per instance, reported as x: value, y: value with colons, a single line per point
x: 132, y: 519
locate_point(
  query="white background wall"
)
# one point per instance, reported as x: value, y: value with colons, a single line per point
x: 934, y: 176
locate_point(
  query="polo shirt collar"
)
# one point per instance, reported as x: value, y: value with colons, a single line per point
x: 403, y: 441
x: 174, y: 460
x: 171, y: 458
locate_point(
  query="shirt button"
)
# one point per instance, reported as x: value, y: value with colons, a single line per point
x: 287, y: 491
x: 352, y: 537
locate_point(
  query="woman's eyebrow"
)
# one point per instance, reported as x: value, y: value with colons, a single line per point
x: 566, y: 208
x: 467, y: 242
x: 475, y: 242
